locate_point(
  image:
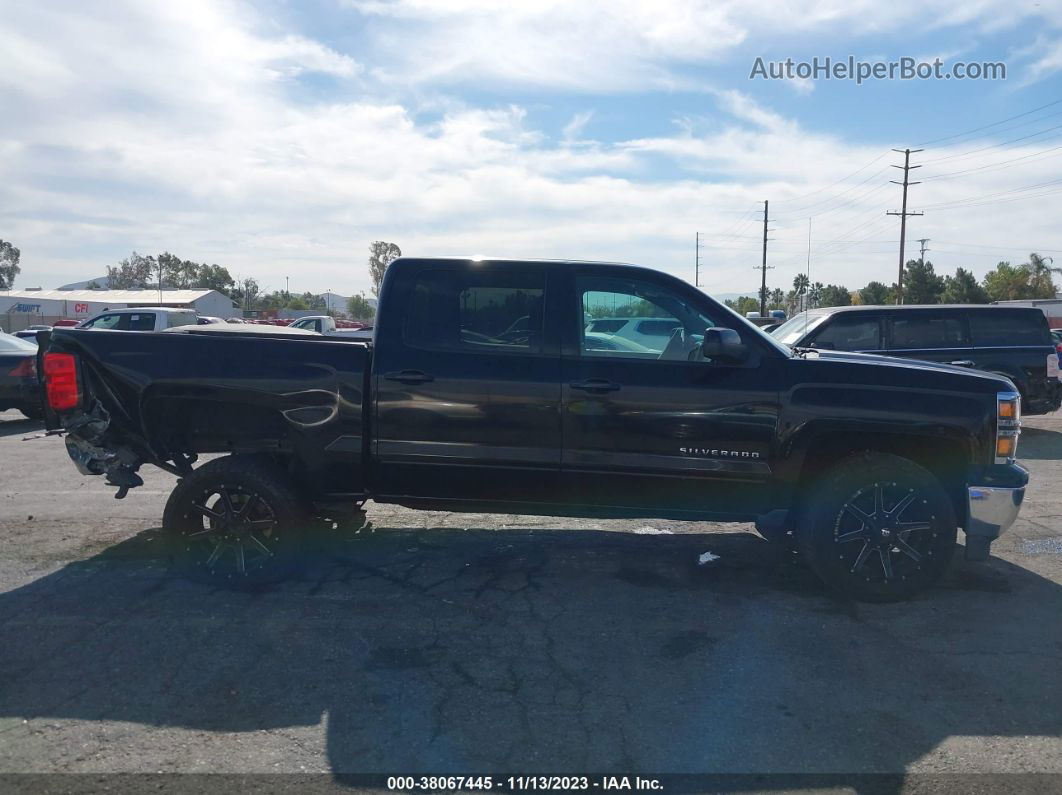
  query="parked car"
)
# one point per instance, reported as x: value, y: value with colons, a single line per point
x: 596, y: 341
x: 30, y: 332
x: 66, y: 322
x: 327, y: 325
x: 650, y: 332
x: 148, y: 318
x: 1012, y: 342
x: 19, y: 388
x: 871, y: 462
x: 1056, y: 337
x: 206, y: 320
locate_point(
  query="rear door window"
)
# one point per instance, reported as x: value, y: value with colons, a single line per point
x: 928, y: 331
x: 1003, y: 329
x: 481, y: 312
x: 850, y: 332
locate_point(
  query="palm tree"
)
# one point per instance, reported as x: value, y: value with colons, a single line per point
x: 800, y: 287
x: 1040, y: 270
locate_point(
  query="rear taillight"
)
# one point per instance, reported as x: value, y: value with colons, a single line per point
x: 27, y: 368
x: 60, y: 381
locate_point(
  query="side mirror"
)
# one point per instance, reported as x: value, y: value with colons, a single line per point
x: 723, y: 344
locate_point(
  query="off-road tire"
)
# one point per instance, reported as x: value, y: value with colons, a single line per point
x: 256, y: 536
x: 859, y: 549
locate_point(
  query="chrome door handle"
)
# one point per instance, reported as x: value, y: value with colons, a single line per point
x: 595, y: 385
x: 409, y: 376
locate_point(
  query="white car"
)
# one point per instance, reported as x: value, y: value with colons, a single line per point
x: 325, y: 324
x: 597, y: 342
x: 147, y: 318
x: 650, y: 332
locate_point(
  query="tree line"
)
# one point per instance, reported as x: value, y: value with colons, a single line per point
x: 169, y: 272
x: 921, y: 285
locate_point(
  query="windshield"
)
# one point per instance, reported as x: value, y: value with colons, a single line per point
x: 796, y: 327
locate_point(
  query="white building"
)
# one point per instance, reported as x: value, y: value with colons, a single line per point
x: 20, y: 308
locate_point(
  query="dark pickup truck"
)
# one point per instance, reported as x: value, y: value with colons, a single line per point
x: 483, y: 390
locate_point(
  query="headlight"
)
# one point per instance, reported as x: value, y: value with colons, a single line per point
x: 1008, y: 426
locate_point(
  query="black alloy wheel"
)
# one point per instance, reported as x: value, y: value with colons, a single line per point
x: 235, y: 521
x: 878, y: 527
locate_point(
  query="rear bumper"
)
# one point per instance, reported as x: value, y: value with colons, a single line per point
x: 992, y: 509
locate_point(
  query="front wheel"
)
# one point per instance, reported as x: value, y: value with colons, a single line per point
x: 878, y: 528
x: 235, y: 520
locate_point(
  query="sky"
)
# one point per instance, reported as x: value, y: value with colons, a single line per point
x: 280, y: 138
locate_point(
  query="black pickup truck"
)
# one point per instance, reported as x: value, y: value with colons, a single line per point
x: 484, y: 390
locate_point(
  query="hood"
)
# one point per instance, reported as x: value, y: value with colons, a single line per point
x: 878, y: 360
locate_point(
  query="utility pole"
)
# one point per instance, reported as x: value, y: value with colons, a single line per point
x: 763, y: 266
x: 922, y: 256
x: 697, y: 263
x: 903, y: 212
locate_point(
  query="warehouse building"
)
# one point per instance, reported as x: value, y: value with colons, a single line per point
x: 22, y: 308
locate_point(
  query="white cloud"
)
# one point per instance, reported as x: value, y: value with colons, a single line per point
x: 574, y: 128
x: 153, y: 127
x: 624, y: 45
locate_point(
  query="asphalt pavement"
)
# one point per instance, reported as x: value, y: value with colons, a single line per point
x: 494, y: 644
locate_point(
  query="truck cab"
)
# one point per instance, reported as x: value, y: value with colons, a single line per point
x: 147, y: 318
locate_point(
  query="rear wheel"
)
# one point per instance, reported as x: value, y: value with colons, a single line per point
x: 878, y: 528
x: 235, y: 520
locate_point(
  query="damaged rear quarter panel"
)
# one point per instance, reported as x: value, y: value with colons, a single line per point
x: 168, y: 395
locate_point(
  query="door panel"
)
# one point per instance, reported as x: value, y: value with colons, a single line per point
x: 663, y: 430
x: 468, y: 396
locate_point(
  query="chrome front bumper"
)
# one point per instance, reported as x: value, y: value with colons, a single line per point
x: 992, y: 510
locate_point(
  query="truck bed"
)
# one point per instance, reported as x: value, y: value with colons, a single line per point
x: 170, y: 396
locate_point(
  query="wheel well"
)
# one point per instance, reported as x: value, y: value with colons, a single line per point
x: 945, y: 458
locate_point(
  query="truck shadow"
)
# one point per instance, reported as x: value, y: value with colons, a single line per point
x: 539, y: 651
x: 17, y: 424
x: 1040, y: 444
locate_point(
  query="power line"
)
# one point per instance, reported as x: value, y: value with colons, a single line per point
x: 994, y: 146
x: 959, y: 202
x: 990, y: 166
x: 988, y: 126
x: 838, y: 182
